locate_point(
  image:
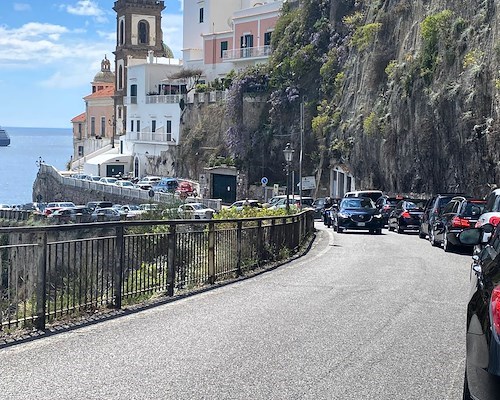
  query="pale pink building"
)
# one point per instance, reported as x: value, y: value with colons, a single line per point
x: 222, y: 35
x: 93, y: 129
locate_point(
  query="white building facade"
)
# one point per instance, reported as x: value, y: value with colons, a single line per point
x: 225, y: 35
x: 153, y: 105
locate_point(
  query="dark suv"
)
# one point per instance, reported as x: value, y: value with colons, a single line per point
x: 459, y: 214
x: 432, y: 210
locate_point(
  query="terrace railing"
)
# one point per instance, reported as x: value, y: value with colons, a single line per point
x: 52, y: 272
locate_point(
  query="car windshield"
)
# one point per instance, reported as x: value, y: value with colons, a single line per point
x: 357, y: 202
x: 197, y: 206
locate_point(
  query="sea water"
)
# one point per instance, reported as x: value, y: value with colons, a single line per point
x: 19, y: 162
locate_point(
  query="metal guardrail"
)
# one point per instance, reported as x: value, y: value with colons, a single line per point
x: 49, y: 273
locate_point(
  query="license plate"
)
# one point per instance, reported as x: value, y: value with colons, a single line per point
x: 361, y: 224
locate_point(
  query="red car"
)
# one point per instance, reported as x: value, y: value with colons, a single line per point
x: 185, y: 188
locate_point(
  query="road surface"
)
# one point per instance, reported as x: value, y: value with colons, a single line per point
x: 359, y: 317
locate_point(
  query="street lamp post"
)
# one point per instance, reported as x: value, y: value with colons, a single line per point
x: 288, y: 152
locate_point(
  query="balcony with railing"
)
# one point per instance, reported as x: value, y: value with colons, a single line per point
x: 146, y: 135
x: 165, y: 98
x: 247, y: 53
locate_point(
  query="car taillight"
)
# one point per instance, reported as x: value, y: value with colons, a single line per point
x: 406, y: 214
x: 494, y: 220
x: 458, y: 222
x: 495, y: 309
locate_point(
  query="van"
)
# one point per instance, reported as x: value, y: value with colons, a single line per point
x: 372, y: 194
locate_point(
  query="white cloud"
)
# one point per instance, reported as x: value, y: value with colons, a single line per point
x: 87, y: 8
x: 22, y: 7
x: 33, y: 29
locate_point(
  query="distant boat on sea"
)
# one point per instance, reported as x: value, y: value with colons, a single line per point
x: 4, y: 138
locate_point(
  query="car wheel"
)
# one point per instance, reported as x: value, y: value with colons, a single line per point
x: 432, y: 238
x: 378, y: 231
x: 339, y: 229
x: 466, y: 393
x: 446, y: 244
x: 400, y: 230
x: 421, y: 234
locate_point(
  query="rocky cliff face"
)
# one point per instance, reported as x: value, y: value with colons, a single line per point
x: 420, y: 95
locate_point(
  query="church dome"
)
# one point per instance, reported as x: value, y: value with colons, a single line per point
x: 167, y: 51
x: 105, y: 75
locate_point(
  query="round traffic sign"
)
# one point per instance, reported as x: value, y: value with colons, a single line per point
x: 264, y: 181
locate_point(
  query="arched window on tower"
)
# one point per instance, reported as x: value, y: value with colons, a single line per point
x: 120, y: 78
x: 122, y: 33
x: 143, y: 29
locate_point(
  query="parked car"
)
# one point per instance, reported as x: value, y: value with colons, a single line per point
x: 56, y: 205
x: 406, y: 215
x: 166, y: 185
x: 78, y: 214
x: 240, y: 204
x: 357, y: 213
x: 482, y: 344
x: 125, y: 184
x: 294, y: 201
x: 431, y: 211
x: 99, y: 204
x: 147, y: 182
x: 459, y: 214
x: 130, y: 211
x: 108, y: 180
x: 5, y: 207
x: 491, y: 211
x: 386, y: 204
x: 185, y: 188
x: 195, y: 211
x: 105, y: 214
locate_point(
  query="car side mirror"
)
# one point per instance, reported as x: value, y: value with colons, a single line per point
x: 471, y: 236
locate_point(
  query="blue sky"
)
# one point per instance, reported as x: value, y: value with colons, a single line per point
x: 50, y: 51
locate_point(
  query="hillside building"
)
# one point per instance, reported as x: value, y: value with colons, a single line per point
x: 224, y: 35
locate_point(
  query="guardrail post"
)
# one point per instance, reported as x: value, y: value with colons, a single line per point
x: 119, y: 250
x: 239, y: 231
x: 260, y: 241
x: 171, y: 256
x: 41, y: 293
x: 211, y: 252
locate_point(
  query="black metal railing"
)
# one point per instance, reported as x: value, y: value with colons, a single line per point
x: 54, y: 272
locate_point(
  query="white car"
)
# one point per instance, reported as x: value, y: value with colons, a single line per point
x: 148, y: 182
x: 108, y: 180
x: 125, y: 184
x: 195, y: 211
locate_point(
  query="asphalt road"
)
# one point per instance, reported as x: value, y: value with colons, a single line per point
x: 359, y: 317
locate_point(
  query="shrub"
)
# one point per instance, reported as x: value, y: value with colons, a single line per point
x: 365, y: 35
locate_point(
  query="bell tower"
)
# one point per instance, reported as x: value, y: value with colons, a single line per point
x: 138, y: 31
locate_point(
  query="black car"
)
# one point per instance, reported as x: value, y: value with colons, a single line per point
x: 68, y: 215
x: 357, y: 213
x: 319, y: 206
x: 386, y: 204
x: 459, y: 214
x: 482, y: 361
x: 431, y: 211
x: 406, y: 215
